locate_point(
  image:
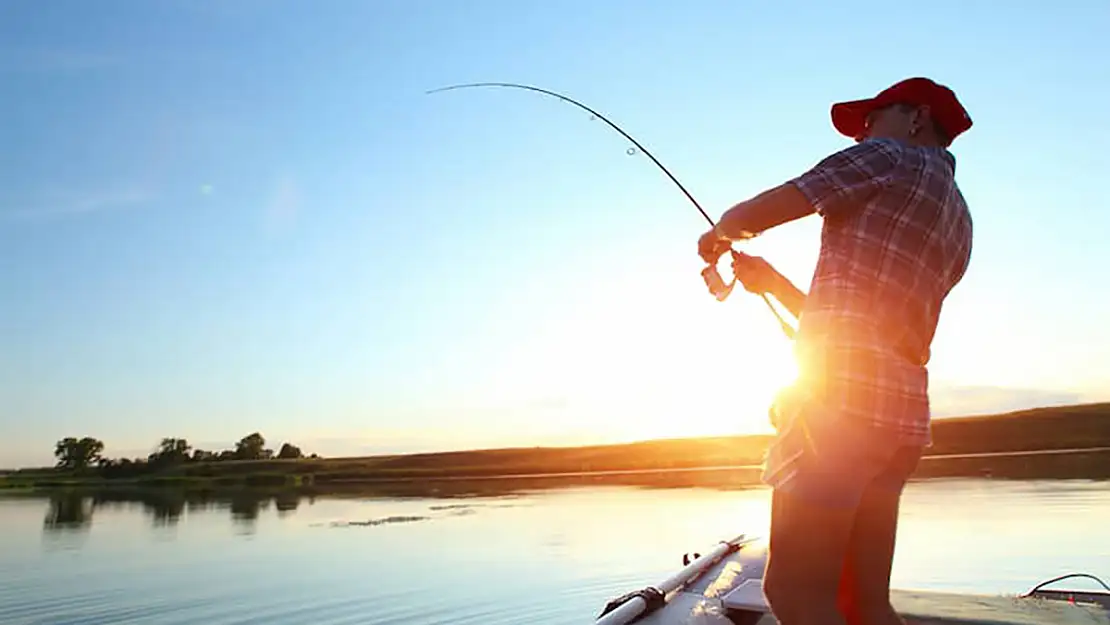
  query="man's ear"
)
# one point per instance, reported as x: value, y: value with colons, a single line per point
x: 922, y: 117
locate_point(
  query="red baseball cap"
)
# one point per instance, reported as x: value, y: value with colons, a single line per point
x: 850, y: 118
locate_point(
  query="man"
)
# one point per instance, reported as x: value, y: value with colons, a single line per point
x: 896, y: 238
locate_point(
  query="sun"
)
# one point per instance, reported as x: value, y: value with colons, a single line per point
x: 671, y: 364
x: 704, y: 379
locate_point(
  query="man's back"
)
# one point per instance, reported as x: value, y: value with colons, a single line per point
x: 896, y: 239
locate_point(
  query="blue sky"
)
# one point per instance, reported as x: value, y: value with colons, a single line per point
x: 222, y: 217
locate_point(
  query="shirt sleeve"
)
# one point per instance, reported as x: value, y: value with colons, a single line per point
x: 845, y: 180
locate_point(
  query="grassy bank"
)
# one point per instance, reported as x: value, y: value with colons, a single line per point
x: 1084, y: 427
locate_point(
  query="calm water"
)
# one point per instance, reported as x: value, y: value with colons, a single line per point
x: 531, y: 557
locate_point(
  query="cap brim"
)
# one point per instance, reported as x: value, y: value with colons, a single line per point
x: 850, y: 118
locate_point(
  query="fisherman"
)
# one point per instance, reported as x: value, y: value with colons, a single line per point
x: 895, y: 240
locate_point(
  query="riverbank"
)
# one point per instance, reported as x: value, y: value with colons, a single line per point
x: 1060, y: 442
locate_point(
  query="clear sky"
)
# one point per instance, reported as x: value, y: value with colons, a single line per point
x: 237, y: 215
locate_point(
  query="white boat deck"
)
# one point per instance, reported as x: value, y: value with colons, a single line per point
x: 940, y: 608
x: 730, y: 593
x: 935, y: 608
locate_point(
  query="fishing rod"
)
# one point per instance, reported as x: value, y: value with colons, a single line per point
x: 710, y: 275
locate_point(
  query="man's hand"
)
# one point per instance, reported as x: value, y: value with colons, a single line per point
x: 712, y: 245
x: 756, y: 274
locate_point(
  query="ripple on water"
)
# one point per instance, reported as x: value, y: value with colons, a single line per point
x: 88, y: 608
x: 444, y: 512
x: 389, y: 520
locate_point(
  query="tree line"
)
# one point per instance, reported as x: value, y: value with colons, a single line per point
x: 79, y: 454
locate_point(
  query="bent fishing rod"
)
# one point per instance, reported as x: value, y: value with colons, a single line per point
x: 712, y: 277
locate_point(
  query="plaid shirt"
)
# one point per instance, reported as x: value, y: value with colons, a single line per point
x: 896, y: 239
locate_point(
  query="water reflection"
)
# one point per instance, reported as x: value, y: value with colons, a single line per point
x: 68, y: 513
x: 71, y: 512
x: 287, y: 503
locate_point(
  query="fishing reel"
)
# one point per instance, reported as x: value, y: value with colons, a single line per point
x: 712, y: 277
x: 715, y: 283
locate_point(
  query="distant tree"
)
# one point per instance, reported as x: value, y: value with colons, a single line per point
x: 171, y: 451
x: 76, y: 454
x: 251, y: 447
x: 226, y: 454
x: 126, y: 468
x: 289, y: 451
x: 175, y: 446
x: 201, y: 455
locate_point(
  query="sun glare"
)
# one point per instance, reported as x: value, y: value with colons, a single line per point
x: 675, y: 365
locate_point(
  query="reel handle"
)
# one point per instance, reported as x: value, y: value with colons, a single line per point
x: 716, y: 283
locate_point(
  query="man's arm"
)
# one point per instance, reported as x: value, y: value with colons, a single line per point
x: 774, y: 207
x: 841, y: 183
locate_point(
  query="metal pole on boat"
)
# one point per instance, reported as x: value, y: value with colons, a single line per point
x: 637, y: 604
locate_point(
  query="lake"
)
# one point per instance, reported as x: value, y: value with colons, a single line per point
x: 537, y: 556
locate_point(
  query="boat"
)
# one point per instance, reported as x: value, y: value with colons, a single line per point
x: 724, y: 586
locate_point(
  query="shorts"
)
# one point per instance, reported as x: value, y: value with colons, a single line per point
x: 831, y: 460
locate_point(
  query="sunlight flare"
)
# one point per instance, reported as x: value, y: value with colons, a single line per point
x: 639, y: 363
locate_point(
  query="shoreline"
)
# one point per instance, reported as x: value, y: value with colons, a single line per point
x: 1080, y: 465
x: 1062, y: 441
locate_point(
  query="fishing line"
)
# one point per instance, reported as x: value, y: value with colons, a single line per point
x: 712, y: 277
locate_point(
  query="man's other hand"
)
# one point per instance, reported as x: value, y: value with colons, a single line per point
x: 755, y: 273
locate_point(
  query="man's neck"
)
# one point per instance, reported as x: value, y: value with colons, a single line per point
x: 919, y: 141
